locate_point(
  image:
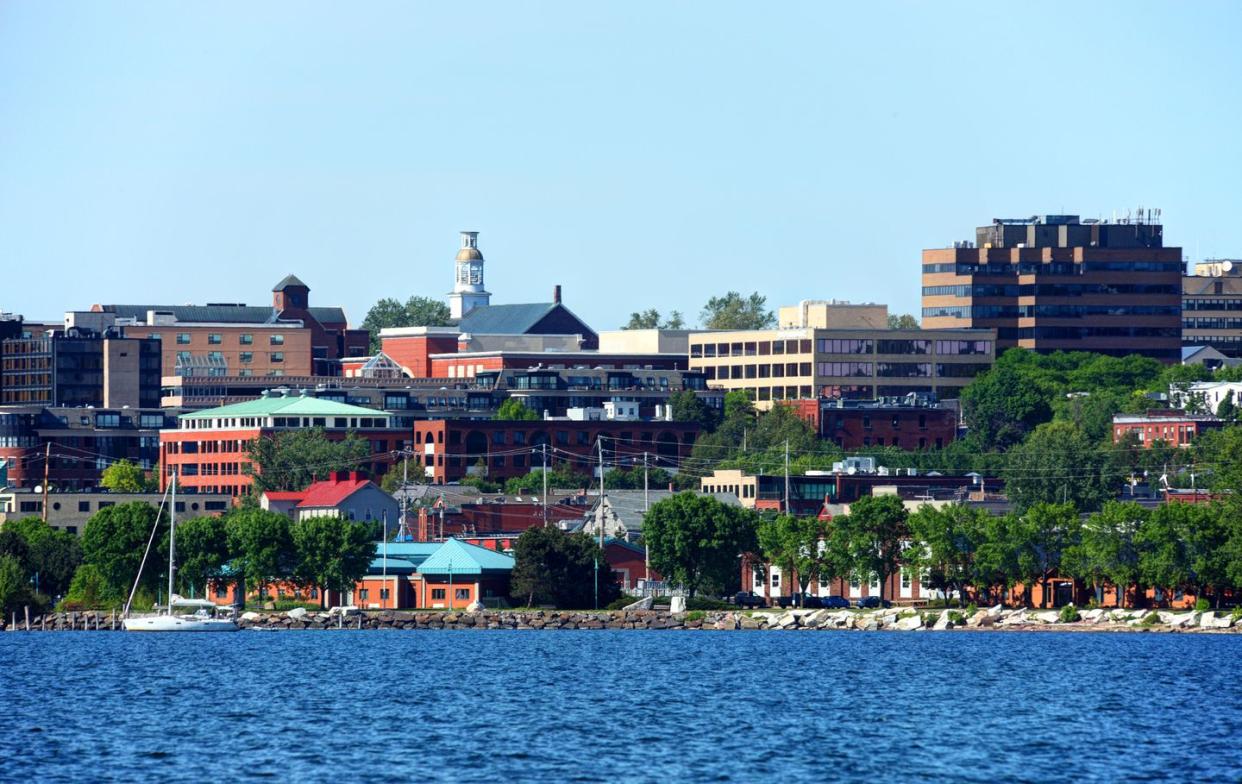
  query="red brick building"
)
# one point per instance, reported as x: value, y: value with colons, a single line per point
x: 1174, y: 428
x: 448, y: 448
x: 859, y: 424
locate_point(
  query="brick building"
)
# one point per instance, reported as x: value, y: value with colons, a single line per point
x: 908, y: 423
x: 80, y: 367
x: 1056, y: 283
x: 208, y: 449
x: 289, y: 337
x: 448, y: 449
x: 1172, y: 427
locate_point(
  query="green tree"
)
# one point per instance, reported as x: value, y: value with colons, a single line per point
x: 632, y: 479
x: 414, y: 312
x: 261, y: 546
x: 513, y: 409
x: 293, y: 459
x: 798, y: 546
x: 996, y: 554
x: 113, y: 543
x: 51, y: 556
x: 1107, y: 553
x: 943, y: 545
x: 202, y: 552
x: 1058, y: 462
x: 562, y: 569
x: 1227, y: 409
x: 15, y: 590
x: 1045, y: 532
x: 558, y: 479
x: 733, y: 311
x: 331, y: 553
x: 1163, y: 545
x: 1001, y: 406
x: 869, y: 538
x: 902, y: 321
x: 686, y: 406
x: 650, y: 319
x: 125, y: 477
x: 697, y: 541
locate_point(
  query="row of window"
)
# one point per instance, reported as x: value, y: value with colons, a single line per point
x: 1046, y: 311
x: 1048, y: 289
x: 850, y: 370
x: 1194, y: 303
x: 244, y: 357
x: 217, y: 339
x: 1027, y: 267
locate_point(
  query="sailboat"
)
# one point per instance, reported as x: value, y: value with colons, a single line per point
x: 198, y: 615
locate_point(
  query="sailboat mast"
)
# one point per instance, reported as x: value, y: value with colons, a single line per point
x: 172, y: 540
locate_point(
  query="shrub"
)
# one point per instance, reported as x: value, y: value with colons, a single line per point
x: 695, y: 615
x: 701, y: 603
x: 1202, y: 605
x: 957, y: 618
x: 1069, y: 614
x: 1093, y: 604
x: 1151, y: 619
x: 1236, y: 615
x: 971, y: 609
x: 620, y: 602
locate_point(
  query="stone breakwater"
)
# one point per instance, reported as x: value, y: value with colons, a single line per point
x: 892, y: 619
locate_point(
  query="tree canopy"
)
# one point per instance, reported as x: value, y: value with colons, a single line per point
x: 902, y: 321
x: 696, y: 541
x: 293, y: 459
x: 514, y: 409
x: 330, y: 552
x: 113, y: 543
x: 870, y: 537
x: 126, y: 477
x: 733, y: 311
x: 261, y: 546
x: 562, y: 569
x: 414, y: 312
x: 650, y: 319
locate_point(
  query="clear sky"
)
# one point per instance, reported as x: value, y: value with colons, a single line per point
x: 639, y: 154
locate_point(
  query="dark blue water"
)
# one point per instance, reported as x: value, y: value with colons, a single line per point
x: 620, y: 706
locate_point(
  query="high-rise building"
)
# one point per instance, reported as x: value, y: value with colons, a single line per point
x: 1057, y: 283
x: 79, y: 367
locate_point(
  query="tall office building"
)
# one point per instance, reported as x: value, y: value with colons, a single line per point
x: 1057, y: 283
x: 1212, y: 306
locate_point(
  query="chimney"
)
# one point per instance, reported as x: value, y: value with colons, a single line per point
x: 556, y: 294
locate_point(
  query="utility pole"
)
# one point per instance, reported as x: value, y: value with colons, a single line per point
x: 600, y: 517
x: 384, y: 579
x: 646, y: 508
x: 47, y: 462
x: 787, y: 476
x: 545, y: 484
x: 405, y: 495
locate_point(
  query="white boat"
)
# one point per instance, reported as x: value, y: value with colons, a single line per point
x: 205, y: 615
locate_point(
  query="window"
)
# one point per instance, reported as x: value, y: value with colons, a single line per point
x: 776, y: 579
x: 383, y: 593
x: 246, y: 339
x: 276, y: 340
x: 363, y: 594
x: 437, y: 593
x: 84, y: 506
x: 245, y: 357
x: 151, y: 421
x: 107, y: 420
x: 461, y: 594
x: 277, y: 356
x: 183, y: 338
x: 215, y: 356
x: 215, y: 339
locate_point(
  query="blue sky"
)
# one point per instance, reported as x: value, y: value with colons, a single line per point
x: 639, y: 154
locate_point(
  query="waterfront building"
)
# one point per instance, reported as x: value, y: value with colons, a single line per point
x: 208, y: 449
x: 452, y: 574
x: 852, y: 364
x: 1058, y: 283
x: 810, y: 492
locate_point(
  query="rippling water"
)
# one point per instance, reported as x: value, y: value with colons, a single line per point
x: 620, y: 706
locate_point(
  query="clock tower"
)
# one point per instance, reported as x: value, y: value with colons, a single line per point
x: 468, y: 292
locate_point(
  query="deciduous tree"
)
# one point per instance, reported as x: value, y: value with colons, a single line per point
x: 562, y: 569
x: 331, y: 553
x: 870, y: 537
x: 260, y: 545
x: 414, y: 312
x: 293, y: 459
x: 733, y: 311
x: 697, y: 541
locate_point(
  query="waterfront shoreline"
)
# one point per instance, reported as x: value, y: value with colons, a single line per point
x: 893, y: 619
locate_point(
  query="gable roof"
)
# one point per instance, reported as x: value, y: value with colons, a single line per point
x: 330, y: 493
x: 629, y: 506
x: 521, y: 319
x: 291, y: 405
x: 287, y: 281
x: 457, y: 557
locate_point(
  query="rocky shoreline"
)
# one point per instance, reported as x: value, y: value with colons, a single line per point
x: 891, y: 619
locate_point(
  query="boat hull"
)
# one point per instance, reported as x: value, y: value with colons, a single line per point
x: 165, y: 623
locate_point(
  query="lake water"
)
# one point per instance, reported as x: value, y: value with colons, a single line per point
x: 620, y: 706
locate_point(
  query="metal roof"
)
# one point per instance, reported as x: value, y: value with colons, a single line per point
x: 457, y: 557
x: 287, y: 281
x: 505, y: 319
x: 222, y: 314
x: 296, y: 405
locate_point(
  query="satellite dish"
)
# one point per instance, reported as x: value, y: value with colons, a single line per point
x: 38, y: 488
x: 1226, y: 265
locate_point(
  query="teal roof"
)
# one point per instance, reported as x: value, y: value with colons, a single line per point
x: 392, y: 566
x: 461, y: 558
x: 294, y: 405
x: 414, y: 552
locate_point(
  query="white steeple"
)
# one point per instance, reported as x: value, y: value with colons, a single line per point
x: 468, y: 292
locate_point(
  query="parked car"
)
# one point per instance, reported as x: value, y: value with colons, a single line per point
x: 872, y: 602
x: 808, y: 602
x: 748, y: 599
x: 835, y: 602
